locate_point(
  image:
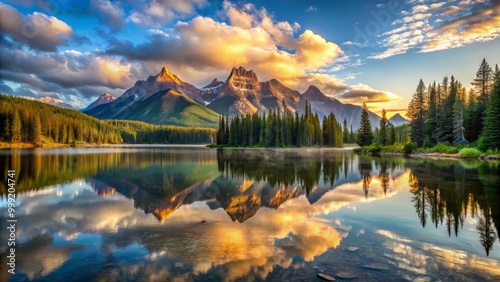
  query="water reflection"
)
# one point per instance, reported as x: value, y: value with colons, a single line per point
x: 449, y: 194
x: 207, y: 215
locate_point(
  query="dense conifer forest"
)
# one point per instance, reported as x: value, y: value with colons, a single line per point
x: 28, y: 121
x: 447, y: 113
x: 444, y: 117
x: 282, y: 129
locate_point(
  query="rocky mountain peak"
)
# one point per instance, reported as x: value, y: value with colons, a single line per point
x: 105, y: 96
x: 166, y: 75
x: 243, y: 73
x: 243, y: 81
x: 314, y: 94
x: 216, y: 82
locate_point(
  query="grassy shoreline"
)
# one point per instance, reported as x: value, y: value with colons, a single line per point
x: 439, y: 151
x: 347, y: 147
x: 24, y: 145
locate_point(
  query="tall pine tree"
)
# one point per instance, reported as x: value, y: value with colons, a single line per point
x: 416, y: 113
x: 365, y: 132
x: 384, y: 129
x: 491, y: 133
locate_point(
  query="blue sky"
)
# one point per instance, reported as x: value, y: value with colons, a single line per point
x: 372, y: 51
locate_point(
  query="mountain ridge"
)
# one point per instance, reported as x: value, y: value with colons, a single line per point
x: 241, y: 93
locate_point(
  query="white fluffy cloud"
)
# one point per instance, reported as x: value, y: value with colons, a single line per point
x: 159, y: 12
x: 440, y: 26
x: 36, y: 30
x: 108, y: 13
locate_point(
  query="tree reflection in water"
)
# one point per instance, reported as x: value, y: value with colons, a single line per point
x: 451, y: 191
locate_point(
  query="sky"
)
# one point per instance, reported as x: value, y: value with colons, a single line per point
x: 356, y: 51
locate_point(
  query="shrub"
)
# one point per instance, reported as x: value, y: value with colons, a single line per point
x: 409, y: 148
x: 480, y: 144
x: 374, y: 149
x: 440, y: 148
x: 469, y: 153
x: 396, y: 148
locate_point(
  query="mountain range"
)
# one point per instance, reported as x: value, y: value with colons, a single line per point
x: 166, y: 99
x: 51, y: 101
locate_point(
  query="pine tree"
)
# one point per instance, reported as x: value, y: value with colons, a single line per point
x: 444, y: 131
x: 346, y: 132
x: 6, y: 133
x: 37, y: 130
x: 416, y: 113
x: 458, y: 121
x: 431, y: 118
x: 365, y: 132
x: 383, y: 131
x: 15, y: 131
x: 491, y: 133
x: 483, y: 82
x: 392, y: 135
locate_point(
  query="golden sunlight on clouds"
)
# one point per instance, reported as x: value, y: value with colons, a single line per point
x: 420, y: 256
x: 376, y: 99
x: 466, y: 30
x: 253, y: 39
x: 113, y: 72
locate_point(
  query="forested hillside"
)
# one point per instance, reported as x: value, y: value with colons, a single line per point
x: 30, y: 121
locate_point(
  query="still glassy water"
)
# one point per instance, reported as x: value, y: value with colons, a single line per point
x: 198, y: 214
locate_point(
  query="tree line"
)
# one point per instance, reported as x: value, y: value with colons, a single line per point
x: 23, y: 120
x: 28, y: 121
x: 281, y: 129
x: 447, y: 113
x: 138, y: 132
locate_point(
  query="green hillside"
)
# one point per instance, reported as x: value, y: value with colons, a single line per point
x: 23, y: 120
x: 172, y: 108
x: 26, y: 122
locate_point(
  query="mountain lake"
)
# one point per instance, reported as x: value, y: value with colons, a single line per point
x: 190, y: 213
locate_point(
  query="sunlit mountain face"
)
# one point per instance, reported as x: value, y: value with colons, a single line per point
x: 191, y: 213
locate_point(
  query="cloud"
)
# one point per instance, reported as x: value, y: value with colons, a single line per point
x: 108, y: 13
x: 70, y: 75
x: 36, y: 30
x: 203, y: 46
x: 480, y: 26
x: 160, y: 12
x: 312, y: 9
x: 440, y: 26
x: 197, y: 50
x: 69, y: 68
x: 5, y: 88
x: 363, y: 93
x: 249, y: 17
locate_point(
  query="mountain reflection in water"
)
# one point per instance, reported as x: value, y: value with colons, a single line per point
x: 267, y: 215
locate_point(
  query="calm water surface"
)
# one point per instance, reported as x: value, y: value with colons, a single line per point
x: 198, y: 214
